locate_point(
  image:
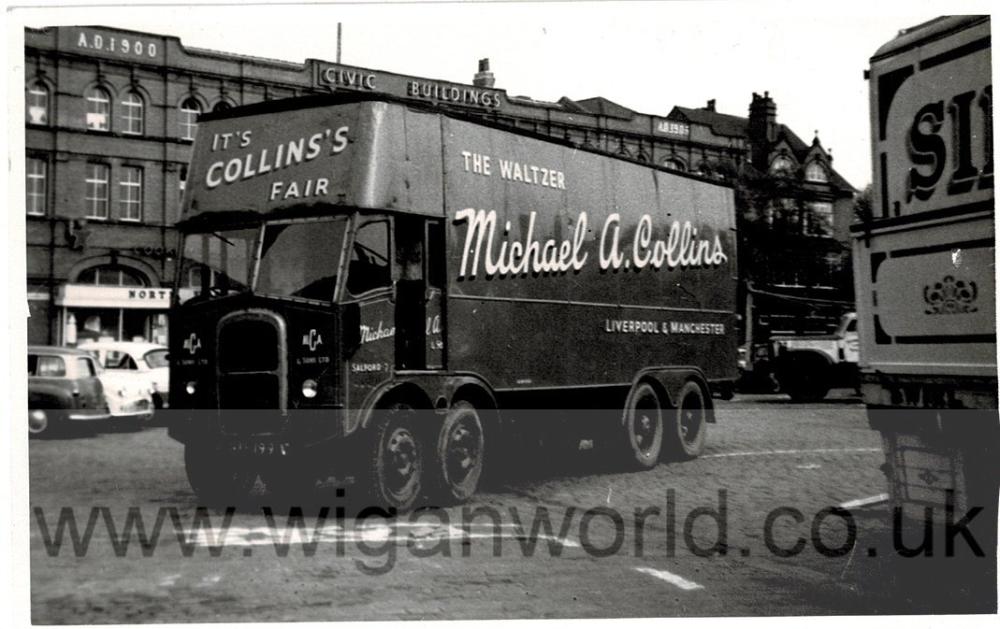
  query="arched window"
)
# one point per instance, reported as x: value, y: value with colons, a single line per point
x: 98, y: 109
x: 782, y: 165
x: 674, y: 164
x: 112, y: 275
x: 816, y: 172
x: 190, y: 110
x: 133, y: 113
x: 222, y: 106
x: 36, y: 108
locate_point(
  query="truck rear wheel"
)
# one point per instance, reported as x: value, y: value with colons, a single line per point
x: 457, y: 462
x: 396, y: 465
x: 218, y: 478
x: 685, y: 434
x: 643, y: 434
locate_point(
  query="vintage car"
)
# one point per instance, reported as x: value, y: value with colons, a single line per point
x: 63, y: 386
x: 147, y: 361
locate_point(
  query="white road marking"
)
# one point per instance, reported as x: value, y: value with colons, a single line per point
x: 808, y: 466
x: 865, y: 502
x: 239, y: 536
x: 671, y: 578
x: 793, y: 452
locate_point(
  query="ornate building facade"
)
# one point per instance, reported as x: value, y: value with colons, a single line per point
x: 111, y: 114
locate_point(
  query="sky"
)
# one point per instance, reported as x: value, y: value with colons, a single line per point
x: 647, y: 56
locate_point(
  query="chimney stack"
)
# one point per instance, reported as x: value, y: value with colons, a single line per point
x: 710, y: 106
x: 484, y: 78
x: 762, y: 128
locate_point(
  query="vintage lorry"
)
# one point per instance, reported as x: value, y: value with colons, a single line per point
x: 391, y: 293
x: 808, y: 366
x: 924, y: 271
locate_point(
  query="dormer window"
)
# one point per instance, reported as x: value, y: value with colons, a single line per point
x: 816, y: 172
x: 782, y: 165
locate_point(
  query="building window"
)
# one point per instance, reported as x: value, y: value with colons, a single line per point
x: 98, y: 109
x: 111, y: 275
x: 816, y: 172
x: 133, y: 116
x: 34, y: 186
x: 130, y: 194
x: 190, y: 110
x: 782, y: 165
x: 674, y: 164
x: 820, y: 219
x: 37, y: 107
x: 96, y: 198
x: 222, y: 106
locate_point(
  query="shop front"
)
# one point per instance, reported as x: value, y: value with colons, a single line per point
x: 120, y: 313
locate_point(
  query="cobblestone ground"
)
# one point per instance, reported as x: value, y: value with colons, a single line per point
x: 621, y: 544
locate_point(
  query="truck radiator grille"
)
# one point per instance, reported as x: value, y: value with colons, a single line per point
x: 252, y: 372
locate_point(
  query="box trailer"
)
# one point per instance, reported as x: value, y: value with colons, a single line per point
x: 924, y: 270
x: 389, y: 290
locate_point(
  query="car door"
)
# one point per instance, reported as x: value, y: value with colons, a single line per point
x: 86, y: 383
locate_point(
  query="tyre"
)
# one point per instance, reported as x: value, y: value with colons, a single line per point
x: 685, y: 433
x: 643, y: 428
x: 289, y: 484
x: 396, y: 459
x: 41, y: 422
x: 457, y: 462
x: 219, y: 479
x: 805, y: 380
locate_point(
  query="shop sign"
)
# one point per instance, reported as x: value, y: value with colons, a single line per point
x: 88, y: 296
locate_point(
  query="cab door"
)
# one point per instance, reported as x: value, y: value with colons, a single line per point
x: 369, y: 283
x: 418, y: 294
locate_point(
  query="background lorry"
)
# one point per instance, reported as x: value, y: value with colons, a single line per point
x: 389, y: 292
x: 807, y: 367
x: 925, y: 275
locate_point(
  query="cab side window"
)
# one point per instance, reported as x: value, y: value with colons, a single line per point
x: 369, y: 267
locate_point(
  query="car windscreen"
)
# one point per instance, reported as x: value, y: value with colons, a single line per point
x: 301, y: 259
x: 156, y: 358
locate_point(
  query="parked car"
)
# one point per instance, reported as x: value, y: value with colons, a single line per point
x: 63, y: 386
x: 128, y: 394
x: 148, y: 360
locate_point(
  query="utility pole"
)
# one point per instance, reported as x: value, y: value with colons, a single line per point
x: 338, y: 42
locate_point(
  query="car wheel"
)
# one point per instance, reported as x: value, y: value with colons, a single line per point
x: 41, y: 422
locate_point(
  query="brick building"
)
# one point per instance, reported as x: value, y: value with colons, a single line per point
x: 111, y: 114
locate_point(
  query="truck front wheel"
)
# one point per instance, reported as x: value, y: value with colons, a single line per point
x: 218, y: 478
x: 805, y: 380
x: 685, y: 434
x: 643, y: 434
x: 458, y: 455
x: 396, y: 465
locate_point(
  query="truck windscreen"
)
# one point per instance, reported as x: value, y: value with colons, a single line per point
x: 218, y: 263
x: 301, y: 259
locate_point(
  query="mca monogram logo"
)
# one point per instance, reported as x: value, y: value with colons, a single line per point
x: 312, y: 340
x: 192, y: 344
x: 951, y: 296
